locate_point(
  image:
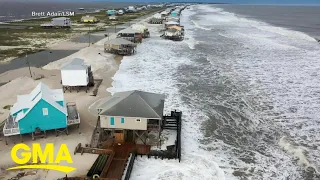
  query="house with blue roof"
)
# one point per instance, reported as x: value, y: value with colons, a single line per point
x: 42, y: 110
x: 174, y: 13
x: 111, y: 12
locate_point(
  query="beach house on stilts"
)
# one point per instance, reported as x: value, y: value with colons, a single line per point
x: 42, y: 110
x: 120, y: 46
x: 142, y: 29
x: 76, y: 75
x: 132, y: 116
x: 130, y: 34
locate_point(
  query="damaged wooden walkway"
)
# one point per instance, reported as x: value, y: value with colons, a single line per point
x: 119, y: 160
x: 118, y: 156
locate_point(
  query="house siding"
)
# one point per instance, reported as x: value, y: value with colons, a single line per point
x: 35, y: 118
x: 129, y: 123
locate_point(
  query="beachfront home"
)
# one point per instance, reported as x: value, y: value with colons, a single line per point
x: 132, y: 115
x: 89, y: 19
x: 156, y: 19
x: 142, y: 29
x: 111, y: 12
x: 42, y: 110
x: 113, y: 17
x: 120, y: 46
x: 131, y: 9
x: 174, y: 33
x: 174, y: 13
x: 76, y: 74
x: 61, y: 22
x: 171, y: 23
x: 121, y: 12
x: 174, y: 19
x: 130, y: 34
x: 164, y: 14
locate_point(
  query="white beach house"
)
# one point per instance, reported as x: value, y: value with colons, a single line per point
x: 76, y: 74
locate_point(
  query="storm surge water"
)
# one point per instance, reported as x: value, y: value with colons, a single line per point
x: 249, y: 93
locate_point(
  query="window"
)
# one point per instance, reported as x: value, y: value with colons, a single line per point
x: 112, y: 121
x: 45, y: 111
x: 122, y: 120
x: 138, y: 120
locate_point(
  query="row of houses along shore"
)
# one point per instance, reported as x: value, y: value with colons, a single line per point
x: 129, y: 123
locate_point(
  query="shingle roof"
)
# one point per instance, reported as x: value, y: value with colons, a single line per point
x: 42, y: 91
x: 134, y: 104
x: 128, y: 31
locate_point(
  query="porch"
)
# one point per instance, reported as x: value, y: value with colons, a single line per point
x: 73, y: 115
x: 11, y: 127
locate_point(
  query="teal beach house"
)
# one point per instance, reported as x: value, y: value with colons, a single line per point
x: 43, y: 109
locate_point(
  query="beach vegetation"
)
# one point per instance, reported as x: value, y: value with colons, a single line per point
x: 7, y: 107
x: 28, y: 36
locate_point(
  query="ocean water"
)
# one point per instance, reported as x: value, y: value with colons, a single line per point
x: 249, y: 92
x: 300, y: 18
x: 18, y: 10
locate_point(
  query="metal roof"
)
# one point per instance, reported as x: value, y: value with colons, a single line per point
x: 118, y: 41
x: 75, y: 64
x: 61, y: 18
x: 134, y: 104
x: 172, y: 22
x: 42, y: 91
x: 88, y: 17
x: 128, y: 31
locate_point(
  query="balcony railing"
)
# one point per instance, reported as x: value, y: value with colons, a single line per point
x: 74, y: 121
x: 11, y: 127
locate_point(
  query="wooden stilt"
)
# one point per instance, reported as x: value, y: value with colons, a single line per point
x: 56, y: 132
x: 67, y: 130
x: 5, y: 139
x: 21, y: 138
x: 79, y: 128
x: 32, y: 136
x: 45, y: 134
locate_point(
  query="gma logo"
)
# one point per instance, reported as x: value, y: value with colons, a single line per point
x: 46, y: 157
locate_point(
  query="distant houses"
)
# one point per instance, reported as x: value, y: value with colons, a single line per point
x: 130, y: 34
x: 111, y: 12
x: 76, y: 75
x: 59, y: 22
x: 113, y: 17
x: 121, y: 12
x: 174, y: 13
x: 131, y: 9
x: 89, y: 19
x: 42, y: 110
x: 120, y: 46
x: 156, y: 19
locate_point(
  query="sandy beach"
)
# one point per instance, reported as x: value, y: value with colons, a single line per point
x: 103, y: 65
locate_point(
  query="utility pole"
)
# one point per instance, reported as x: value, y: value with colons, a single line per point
x: 89, y: 35
x: 27, y: 62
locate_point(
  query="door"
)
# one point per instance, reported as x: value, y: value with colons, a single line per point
x: 119, y: 136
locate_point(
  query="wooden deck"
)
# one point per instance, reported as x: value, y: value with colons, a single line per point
x: 119, y: 161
